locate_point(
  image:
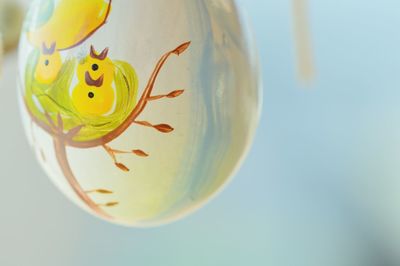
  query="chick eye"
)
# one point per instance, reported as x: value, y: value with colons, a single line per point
x: 95, y: 67
x: 46, y: 62
x: 91, y: 95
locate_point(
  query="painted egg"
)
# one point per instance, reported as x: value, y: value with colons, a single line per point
x: 139, y: 111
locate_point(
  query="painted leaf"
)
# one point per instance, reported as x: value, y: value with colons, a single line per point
x: 122, y: 167
x: 104, y: 191
x: 182, y: 48
x: 140, y: 153
x: 111, y: 204
x: 175, y: 93
x: 164, y: 128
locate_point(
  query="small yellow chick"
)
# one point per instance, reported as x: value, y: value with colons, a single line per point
x: 94, y: 94
x: 49, y: 65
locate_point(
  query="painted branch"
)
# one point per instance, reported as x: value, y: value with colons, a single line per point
x: 61, y: 155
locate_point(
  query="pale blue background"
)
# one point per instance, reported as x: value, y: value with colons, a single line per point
x: 319, y: 188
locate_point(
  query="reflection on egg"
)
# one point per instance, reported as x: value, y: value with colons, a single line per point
x: 139, y: 111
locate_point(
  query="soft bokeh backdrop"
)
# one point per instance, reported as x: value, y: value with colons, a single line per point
x: 320, y: 186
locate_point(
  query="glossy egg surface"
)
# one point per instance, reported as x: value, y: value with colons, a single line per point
x: 139, y: 111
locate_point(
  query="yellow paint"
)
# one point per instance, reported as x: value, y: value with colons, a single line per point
x: 71, y: 22
x: 48, y: 68
x: 102, y: 98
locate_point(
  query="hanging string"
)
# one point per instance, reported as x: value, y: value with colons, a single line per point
x: 304, y: 51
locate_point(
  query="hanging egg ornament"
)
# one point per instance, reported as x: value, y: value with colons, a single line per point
x: 139, y: 111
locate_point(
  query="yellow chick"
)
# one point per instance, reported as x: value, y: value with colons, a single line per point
x: 48, y: 66
x: 94, y: 94
x: 70, y: 24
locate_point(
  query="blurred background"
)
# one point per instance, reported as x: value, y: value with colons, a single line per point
x: 320, y: 186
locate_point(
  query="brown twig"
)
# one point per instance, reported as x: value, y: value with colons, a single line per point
x: 113, y: 154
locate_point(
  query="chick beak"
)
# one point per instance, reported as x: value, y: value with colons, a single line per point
x: 92, y: 82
